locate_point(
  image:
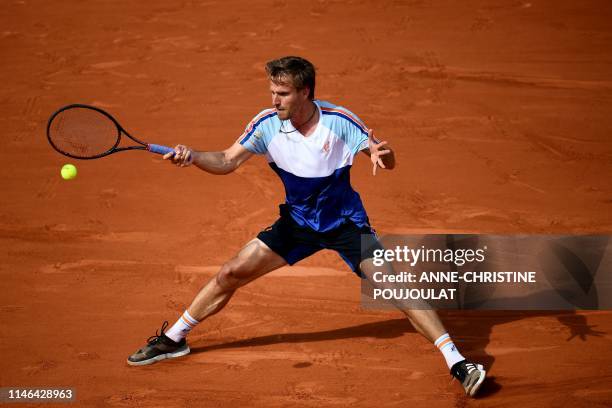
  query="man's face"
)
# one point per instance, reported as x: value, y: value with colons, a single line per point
x: 286, y: 99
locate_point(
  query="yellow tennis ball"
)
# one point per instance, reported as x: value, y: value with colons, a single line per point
x: 69, y: 172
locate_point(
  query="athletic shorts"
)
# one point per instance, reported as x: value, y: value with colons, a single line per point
x: 294, y: 242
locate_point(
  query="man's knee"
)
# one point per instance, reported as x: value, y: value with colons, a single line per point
x: 367, y: 268
x: 232, y: 275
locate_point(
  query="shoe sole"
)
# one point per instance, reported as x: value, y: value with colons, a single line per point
x: 160, y: 357
x: 473, y: 389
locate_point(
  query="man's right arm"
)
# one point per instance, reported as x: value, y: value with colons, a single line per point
x: 223, y: 162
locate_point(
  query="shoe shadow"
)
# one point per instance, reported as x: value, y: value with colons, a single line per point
x: 488, y: 388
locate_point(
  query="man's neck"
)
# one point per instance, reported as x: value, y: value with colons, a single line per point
x: 306, y: 121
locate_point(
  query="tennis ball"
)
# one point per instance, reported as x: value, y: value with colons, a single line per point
x: 69, y: 172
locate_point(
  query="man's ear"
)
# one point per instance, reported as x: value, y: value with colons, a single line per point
x: 305, y: 91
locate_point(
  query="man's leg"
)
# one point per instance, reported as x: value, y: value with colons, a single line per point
x: 428, y: 324
x: 252, y: 261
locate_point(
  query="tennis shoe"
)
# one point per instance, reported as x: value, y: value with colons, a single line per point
x: 470, y: 375
x: 159, y: 347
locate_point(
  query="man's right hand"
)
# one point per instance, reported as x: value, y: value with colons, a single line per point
x: 182, y: 156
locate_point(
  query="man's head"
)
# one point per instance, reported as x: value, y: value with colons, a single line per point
x: 292, y: 82
x: 294, y: 71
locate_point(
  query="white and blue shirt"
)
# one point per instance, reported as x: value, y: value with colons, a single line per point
x: 313, y: 169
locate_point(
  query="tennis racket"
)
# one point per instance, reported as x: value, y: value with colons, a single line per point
x: 86, y: 132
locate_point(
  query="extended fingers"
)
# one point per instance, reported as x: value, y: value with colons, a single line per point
x: 376, y: 162
x: 375, y: 146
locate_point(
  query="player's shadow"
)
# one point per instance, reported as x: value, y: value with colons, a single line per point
x: 386, y: 329
x: 471, y: 329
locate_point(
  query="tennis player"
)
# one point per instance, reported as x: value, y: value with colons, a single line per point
x: 310, y: 144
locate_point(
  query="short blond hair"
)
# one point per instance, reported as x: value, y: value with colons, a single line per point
x: 297, y: 70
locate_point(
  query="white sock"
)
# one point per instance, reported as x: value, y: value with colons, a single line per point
x: 182, y: 327
x: 449, y: 350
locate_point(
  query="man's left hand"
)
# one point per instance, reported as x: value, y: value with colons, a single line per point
x: 376, y: 151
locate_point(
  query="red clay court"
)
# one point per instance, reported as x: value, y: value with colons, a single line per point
x: 499, y: 114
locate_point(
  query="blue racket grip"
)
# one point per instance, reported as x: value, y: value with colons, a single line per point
x: 159, y: 149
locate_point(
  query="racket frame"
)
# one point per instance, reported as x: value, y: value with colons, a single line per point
x: 113, y: 149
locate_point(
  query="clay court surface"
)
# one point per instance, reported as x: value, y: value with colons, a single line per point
x: 499, y: 113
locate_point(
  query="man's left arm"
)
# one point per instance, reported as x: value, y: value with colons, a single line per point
x: 380, y: 153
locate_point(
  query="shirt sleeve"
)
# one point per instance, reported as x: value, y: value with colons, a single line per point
x: 258, y: 132
x: 355, y: 132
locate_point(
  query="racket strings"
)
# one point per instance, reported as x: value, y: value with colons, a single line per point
x: 83, y: 132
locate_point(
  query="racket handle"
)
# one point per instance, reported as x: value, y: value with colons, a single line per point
x: 159, y: 149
